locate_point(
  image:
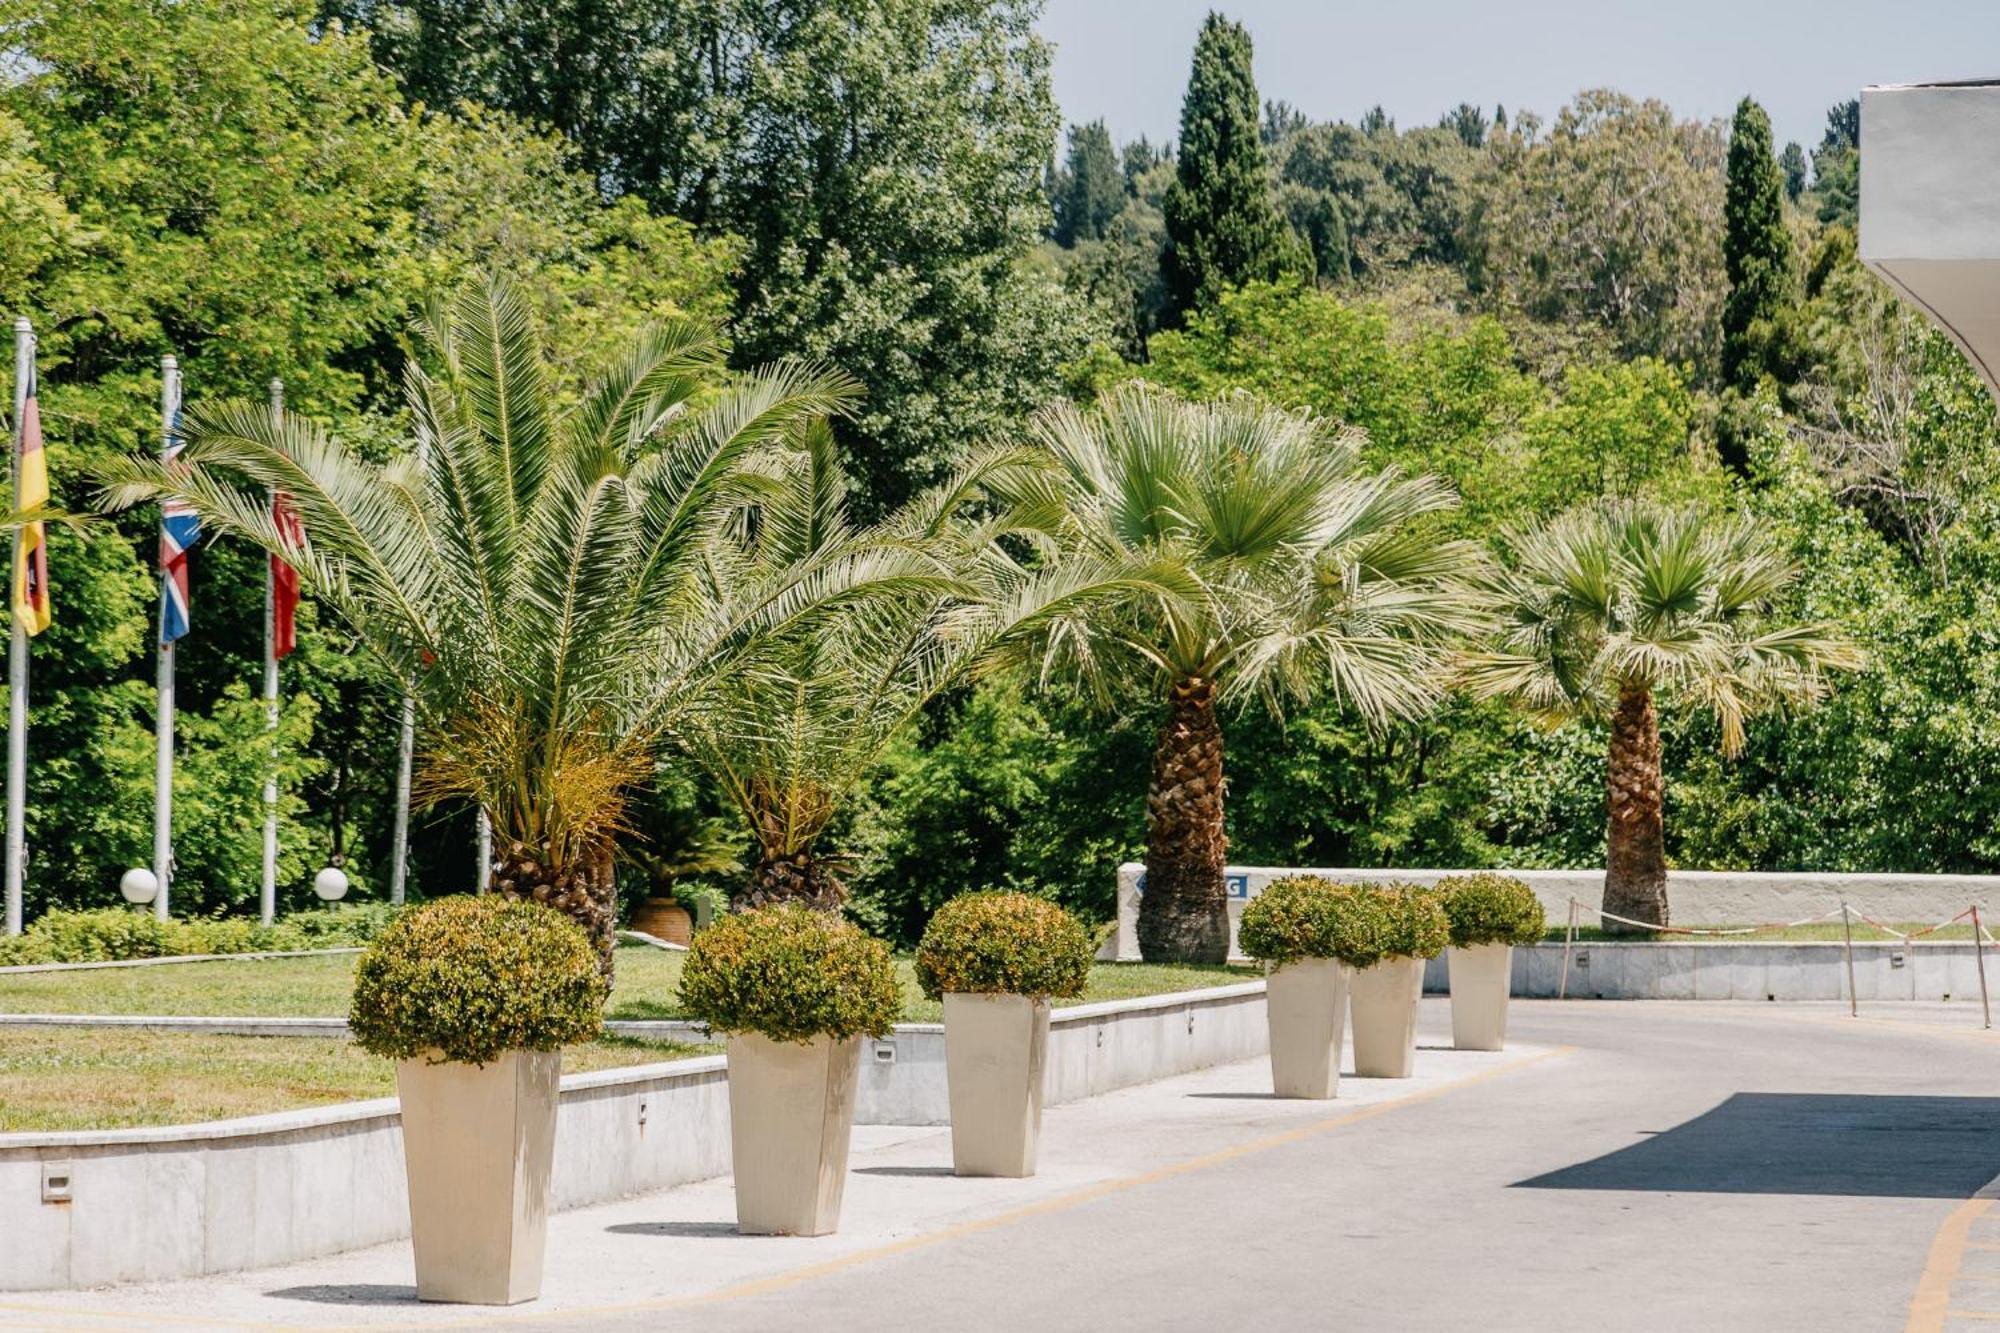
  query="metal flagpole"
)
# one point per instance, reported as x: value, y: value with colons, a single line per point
x: 267, y: 898
x: 17, y: 654
x: 399, y: 847
x: 163, y: 732
x: 485, y: 851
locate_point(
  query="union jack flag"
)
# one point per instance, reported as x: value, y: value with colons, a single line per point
x: 180, y: 529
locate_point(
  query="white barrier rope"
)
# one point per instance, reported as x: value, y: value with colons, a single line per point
x: 1603, y: 915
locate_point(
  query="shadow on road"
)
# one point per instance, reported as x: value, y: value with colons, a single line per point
x: 349, y: 1293
x: 1809, y: 1143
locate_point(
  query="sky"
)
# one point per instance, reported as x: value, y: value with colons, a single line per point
x: 1126, y: 61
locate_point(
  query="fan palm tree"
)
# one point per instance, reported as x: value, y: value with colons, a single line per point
x: 1315, y: 574
x: 792, y: 735
x: 538, y: 582
x: 1610, y: 606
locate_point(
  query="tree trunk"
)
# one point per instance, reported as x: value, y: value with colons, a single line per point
x: 1184, y: 912
x: 1635, y: 859
x: 588, y: 892
x: 798, y: 878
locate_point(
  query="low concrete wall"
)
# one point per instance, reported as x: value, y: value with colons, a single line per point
x: 176, y: 1201
x: 1728, y: 971
x: 1696, y: 897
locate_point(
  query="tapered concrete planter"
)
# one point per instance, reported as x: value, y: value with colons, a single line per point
x: 1383, y: 1000
x: 477, y: 1144
x: 1480, y: 978
x: 791, y: 1114
x: 995, y: 1054
x: 1307, y: 1005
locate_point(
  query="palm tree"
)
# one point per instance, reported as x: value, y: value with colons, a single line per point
x: 790, y: 737
x: 1614, y: 604
x: 539, y: 582
x: 1314, y: 574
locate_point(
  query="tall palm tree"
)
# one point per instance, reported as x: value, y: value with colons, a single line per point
x: 792, y: 735
x: 539, y: 582
x: 1612, y: 605
x: 1315, y: 574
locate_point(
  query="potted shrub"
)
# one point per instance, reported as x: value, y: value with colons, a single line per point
x: 1384, y: 997
x: 794, y: 990
x: 474, y: 998
x: 1309, y: 933
x: 996, y: 959
x: 1489, y: 915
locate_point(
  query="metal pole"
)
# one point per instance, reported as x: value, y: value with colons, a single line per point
x: 1847, y: 932
x: 163, y: 731
x: 267, y: 897
x: 17, y: 654
x: 399, y: 846
x: 485, y: 851
x: 1569, y: 940
x: 1979, y: 953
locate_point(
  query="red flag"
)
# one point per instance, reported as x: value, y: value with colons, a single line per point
x: 285, y: 579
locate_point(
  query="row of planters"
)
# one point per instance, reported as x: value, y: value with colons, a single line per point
x: 475, y: 997
x: 1329, y: 948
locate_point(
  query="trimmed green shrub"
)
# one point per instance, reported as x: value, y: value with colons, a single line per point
x: 1305, y: 916
x: 1491, y: 909
x: 475, y: 977
x: 791, y: 973
x: 1006, y: 944
x: 1413, y: 921
x: 115, y: 934
x: 348, y: 925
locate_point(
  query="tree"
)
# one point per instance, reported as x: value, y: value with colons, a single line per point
x: 1315, y: 575
x: 791, y: 738
x: 1756, y: 251
x: 1092, y: 186
x: 1837, y: 166
x: 1611, y: 605
x: 535, y: 581
x: 1468, y: 122
x: 1793, y: 163
x: 1222, y: 230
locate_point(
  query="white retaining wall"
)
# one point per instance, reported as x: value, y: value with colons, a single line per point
x: 1695, y: 897
x: 176, y: 1201
x: 1732, y: 971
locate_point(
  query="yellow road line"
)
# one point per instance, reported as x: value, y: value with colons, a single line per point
x: 1042, y: 1208
x: 1931, y: 1306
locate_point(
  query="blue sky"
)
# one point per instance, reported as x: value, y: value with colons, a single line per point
x: 1127, y: 60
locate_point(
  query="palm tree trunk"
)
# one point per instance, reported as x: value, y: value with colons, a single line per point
x: 588, y: 892
x: 1184, y: 913
x: 799, y: 877
x: 1635, y: 860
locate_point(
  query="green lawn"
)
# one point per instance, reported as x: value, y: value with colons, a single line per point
x: 648, y: 987
x: 53, y: 1079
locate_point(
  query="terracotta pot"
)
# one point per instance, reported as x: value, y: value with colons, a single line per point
x: 1383, y: 1000
x: 663, y: 919
x: 1306, y: 1005
x: 1480, y: 979
x: 995, y: 1052
x: 477, y: 1145
x: 791, y: 1115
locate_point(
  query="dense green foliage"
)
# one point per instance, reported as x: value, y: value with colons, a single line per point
x: 1414, y: 924
x: 791, y: 973
x: 471, y: 978
x: 1756, y: 251
x: 1304, y: 916
x: 1490, y: 909
x: 113, y: 934
x: 1222, y: 230
x: 1003, y: 943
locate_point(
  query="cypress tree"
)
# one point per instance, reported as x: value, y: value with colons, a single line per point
x: 1093, y: 186
x: 1756, y: 250
x: 1222, y: 228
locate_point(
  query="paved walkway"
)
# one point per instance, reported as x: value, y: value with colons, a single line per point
x: 1631, y: 1166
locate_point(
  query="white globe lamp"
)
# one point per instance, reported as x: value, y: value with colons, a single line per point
x: 139, y: 885
x: 330, y: 884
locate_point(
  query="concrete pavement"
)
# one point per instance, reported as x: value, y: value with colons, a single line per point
x: 1624, y: 1166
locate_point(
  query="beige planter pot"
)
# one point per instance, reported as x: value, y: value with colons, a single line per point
x: 995, y: 1052
x: 791, y: 1114
x: 1306, y: 1004
x: 477, y: 1143
x: 1383, y: 999
x: 1480, y: 979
